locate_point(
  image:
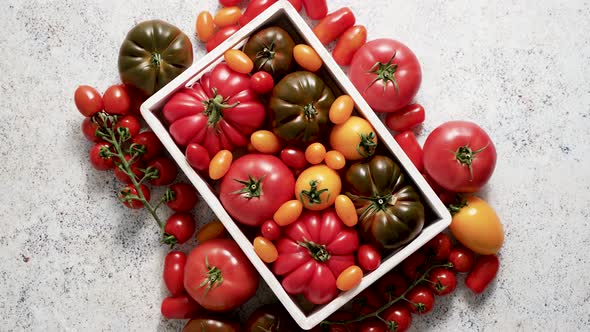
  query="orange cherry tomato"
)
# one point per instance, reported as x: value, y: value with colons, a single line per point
x: 341, y: 109
x: 265, y: 141
x: 349, y: 278
x: 220, y: 164
x: 477, y: 226
x: 350, y: 41
x: 335, y: 160
x: 307, y: 57
x: 211, y: 230
x: 315, y: 153
x: 265, y: 249
x: 317, y: 187
x: 355, y: 138
x: 238, y: 61
x: 227, y: 16
x: 345, y: 210
x: 205, y: 26
x: 288, y: 213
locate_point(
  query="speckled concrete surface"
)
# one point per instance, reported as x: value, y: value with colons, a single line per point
x: 74, y: 259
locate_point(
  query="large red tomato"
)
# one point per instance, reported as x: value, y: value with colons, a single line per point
x: 387, y: 74
x: 459, y: 156
x: 218, y: 112
x: 315, y: 250
x: 219, y: 276
x: 255, y: 186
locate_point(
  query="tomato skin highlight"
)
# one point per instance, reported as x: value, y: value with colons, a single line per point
x: 255, y: 7
x: 462, y: 259
x: 485, y: 270
x: 220, y: 36
x: 307, y: 57
x: 180, y: 307
x: 406, y: 118
x: 173, y: 274
x: 185, y: 197
x: 238, y: 61
x: 334, y: 25
x: 227, y: 16
x: 349, y: 42
x: 315, y: 9
x: 88, y: 100
x: 368, y: 257
x: 409, y: 143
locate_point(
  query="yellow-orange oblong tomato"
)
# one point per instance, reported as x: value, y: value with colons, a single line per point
x: 349, y: 278
x: 211, y: 230
x: 204, y: 26
x: 265, y: 141
x: 227, y: 16
x: 220, y: 164
x: 306, y: 57
x: 288, y: 213
x: 315, y: 153
x: 265, y: 249
x: 341, y: 109
x: 345, y: 210
x: 477, y: 226
x: 335, y: 159
x: 317, y: 187
x: 238, y: 61
x: 355, y: 138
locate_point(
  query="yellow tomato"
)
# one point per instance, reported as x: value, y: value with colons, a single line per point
x: 227, y: 16
x: 205, y: 27
x: 220, y: 164
x: 315, y: 153
x: 307, y: 57
x: 345, y: 210
x: 335, y: 160
x: 349, y: 278
x: 212, y: 230
x: 477, y: 226
x: 317, y: 187
x: 288, y: 213
x: 265, y: 249
x: 341, y: 109
x: 238, y: 61
x: 355, y: 138
x: 265, y: 141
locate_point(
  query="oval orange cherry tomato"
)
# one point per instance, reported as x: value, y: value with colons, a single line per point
x: 220, y: 164
x: 238, y: 61
x: 307, y: 57
x: 347, y: 45
x: 315, y: 153
x: 334, y: 25
x: 349, y: 278
x: 335, y: 160
x: 288, y: 213
x: 341, y: 109
x: 476, y: 225
x: 345, y: 210
x: 265, y: 249
x: 265, y: 141
x: 205, y: 26
x: 211, y: 230
x: 227, y: 16
x: 355, y: 138
x: 317, y: 187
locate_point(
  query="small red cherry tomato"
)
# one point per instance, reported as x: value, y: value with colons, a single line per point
x: 151, y: 144
x: 167, y: 171
x: 462, y: 259
x: 439, y: 247
x: 368, y: 257
x: 412, y: 265
x: 136, y: 168
x: 407, y: 118
x: 182, y: 197
x: 229, y: 3
x: 89, y: 129
x: 485, y: 270
x: 293, y: 158
x: 372, y: 325
x: 334, y: 25
x: 88, y: 100
x: 174, y: 272
x: 420, y: 299
x: 442, y: 281
x: 116, y: 100
x: 297, y: 4
x: 347, y: 45
x: 131, y: 123
x: 409, y: 143
x: 400, y: 315
x: 197, y: 156
x: 220, y: 36
x: 392, y: 285
x: 179, y: 228
x: 126, y: 194
x: 270, y: 230
x: 96, y: 156
x: 255, y: 7
x: 262, y: 82
x: 315, y: 9
x: 180, y: 307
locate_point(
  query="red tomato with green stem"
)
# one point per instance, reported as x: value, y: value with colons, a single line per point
x: 181, y: 197
x: 220, y: 36
x: 398, y: 318
x: 439, y: 247
x: 409, y: 143
x: 98, y: 156
x: 420, y: 299
x: 173, y: 274
x: 255, y: 7
x: 392, y: 285
x: 219, y: 276
x: 271, y: 230
x: 180, y: 307
x: 406, y: 118
x: 314, y: 251
x: 442, y: 281
x: 485, y: 270
x: 350, y: 42
x: 373, y: 325
x: 368, y: 257
x: 131, y: 123
x: 460, y: 156
x: 334, y: 25
x: 136, y: 168
x: 197, y: 156
x: 262, y: 82
x: 89, y: 128
x: 88, y: 100
x: 166, y: 171
x: 315, y: 9
x: 116, y: 100
x: 179, y: 228
x: 128, y: 196
x: 387, y: 73
x: 462, y: 259
x: 150, y: 144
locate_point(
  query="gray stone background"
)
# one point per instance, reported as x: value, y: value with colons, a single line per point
x: 72, y: 258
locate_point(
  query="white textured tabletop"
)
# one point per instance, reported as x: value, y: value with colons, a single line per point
x: 73, y: 258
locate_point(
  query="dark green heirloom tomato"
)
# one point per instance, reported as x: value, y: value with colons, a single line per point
x: 271, y: 50
x: 153, y: 54
x: 299, y: 107
x: 211, y: 324
x: 390, y: 212
x: 270, y: 318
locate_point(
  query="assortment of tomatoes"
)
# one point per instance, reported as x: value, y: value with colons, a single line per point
x: 301, y: 171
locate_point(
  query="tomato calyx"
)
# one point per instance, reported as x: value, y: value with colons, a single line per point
x: 252, y: 188
x: 366, y: 146
x: 310, y: 112
x: 391, y: 325
x: 385, y: 72
x: 214, y: 277
x: 460, y: 202
x: 267, y: 54
x: 214, y: 107
x: 465, y: 155
x: 316, y: 251
x: 169, y: 239
x: 313, y: 194
x: 378, y: 203
x: 156, y: 60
